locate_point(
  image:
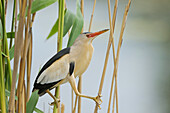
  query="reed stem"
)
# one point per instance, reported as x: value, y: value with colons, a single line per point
x: 5, y: 48
x: 12, y: 25
x: 118, y: 49
x: 92, y: 15
x: 80, y: 90
x: 2, y: 92
x: 24, y: 54
x: 29, y: 58
x: 113, y: 23
x: 75, y: 104
x: 59, y: 44
x: 17, y: 52
x: 111, y: 41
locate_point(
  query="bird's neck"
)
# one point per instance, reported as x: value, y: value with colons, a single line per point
x: 82, y: 47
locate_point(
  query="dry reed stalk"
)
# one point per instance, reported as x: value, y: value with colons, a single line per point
x: 111, y: 41
x: 75, y: 104
x: 62, y: 108
x: 117, y: 108
x: 114, y: 97
x: 104, y: 70
x: 79, y: 98
x: 118, y: 49
x: 20, y: 4
x: 72, y: 100
x: 6, y: 3
x: 113, y: 23
x: 29, y: 62
x: 17, y: 51
x: 92, y: 15
x: 29, y: 59
x: 23, y: 55
x: 20, y: 91
x: 23, y: 100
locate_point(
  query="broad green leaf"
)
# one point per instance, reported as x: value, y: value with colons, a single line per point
x: 77, y: 26
x: 38, y: 5
x: 38, y: 110
x: 31, y: 104
x: 68, y: 21
x: 69, y: 18
x: 11, y: 52
x: 7, y: 93
x: 41, y: 4
x: 11, y: 35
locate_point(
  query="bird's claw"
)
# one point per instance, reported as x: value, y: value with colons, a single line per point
x: 98, y: 100
x: 55, y: 102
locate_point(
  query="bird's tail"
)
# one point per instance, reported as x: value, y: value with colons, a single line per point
x: 41, y: 92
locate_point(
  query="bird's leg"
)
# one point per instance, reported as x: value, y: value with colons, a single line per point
x: 72, y: 82
x: 55, y: 99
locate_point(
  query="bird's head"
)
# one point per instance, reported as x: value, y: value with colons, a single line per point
x: 89, y: 36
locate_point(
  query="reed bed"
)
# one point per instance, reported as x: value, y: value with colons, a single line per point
x: 15, y: 89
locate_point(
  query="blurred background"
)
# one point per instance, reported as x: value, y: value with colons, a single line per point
x: 144, y: 63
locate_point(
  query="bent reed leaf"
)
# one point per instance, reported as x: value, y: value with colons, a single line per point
x: 69, y: 18
x: 77, y: 26
x: 31, y: 104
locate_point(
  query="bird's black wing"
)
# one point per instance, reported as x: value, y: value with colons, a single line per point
x: 44, y: 87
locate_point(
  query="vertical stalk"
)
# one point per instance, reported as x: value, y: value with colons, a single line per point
x: 59, y: 44
x: 79, y: 98
x: 118, y: 49
x: 113, y: 22
x: 111, y: 41
x: 80, y: 78
x: 29, y: 62
x: 75, y: 104
x: 2, y: 92
x: 72, y: 100
x: 29, y: 57
x: 6, y: 3
x: 3, y: 32
x: 2, y: 83
x: 17, y: 52
x: 21, y: 81
x: 12, y: 26
x: 62, y: 108
x: 5, y: 46
x: 92, y: 15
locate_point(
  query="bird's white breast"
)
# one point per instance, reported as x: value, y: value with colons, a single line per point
x: 81, y: 55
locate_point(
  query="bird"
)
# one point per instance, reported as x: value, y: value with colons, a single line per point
x: 66, y: 65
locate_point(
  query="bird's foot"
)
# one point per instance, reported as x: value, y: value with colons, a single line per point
x: 56, y: 101
x: 98, y: 100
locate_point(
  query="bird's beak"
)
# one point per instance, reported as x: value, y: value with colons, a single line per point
x: 96, y: 33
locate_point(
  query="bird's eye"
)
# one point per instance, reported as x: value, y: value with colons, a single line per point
x: 88, y: 36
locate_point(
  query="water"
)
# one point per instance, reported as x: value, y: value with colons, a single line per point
x: 143, y: 73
